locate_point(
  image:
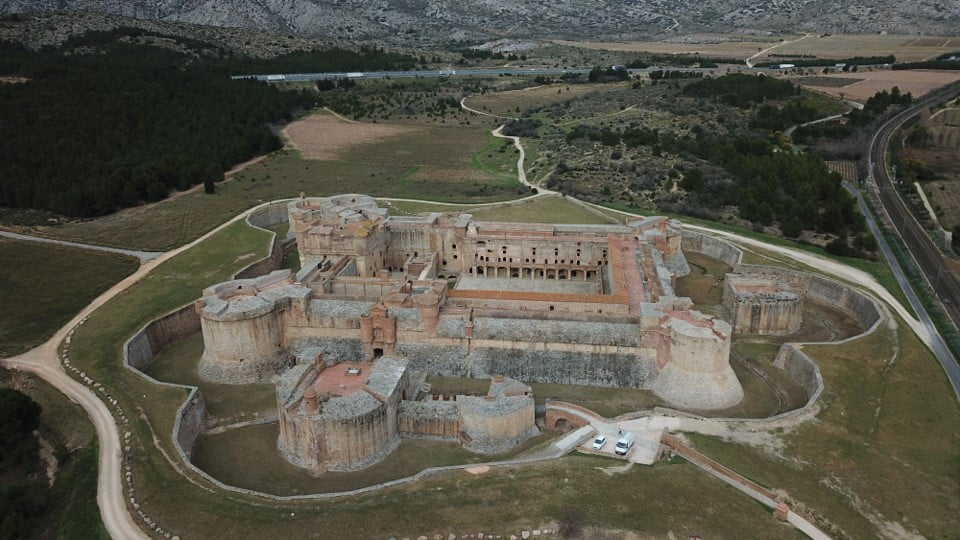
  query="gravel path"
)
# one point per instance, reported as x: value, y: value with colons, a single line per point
x: 144, y: 256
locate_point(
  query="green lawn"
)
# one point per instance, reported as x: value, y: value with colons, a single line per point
x: 541, y: 210
x: 42, y: 286
x: 884, y: 448
x: 228, y: 403
x: 248, y: 457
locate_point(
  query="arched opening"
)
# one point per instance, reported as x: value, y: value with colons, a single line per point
x: 377, y: 353
x: 562, y: 424
x: 515, y: 273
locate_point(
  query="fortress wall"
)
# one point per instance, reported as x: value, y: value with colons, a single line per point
x: 763, y: 316
x: 241, y: 352
x: 266, y: 265
x: 265, y: 217
x: 360, y: 441
x: 496, y: 426
x: 429, y: 420
x: 712, y: 247
x: 698, y: 374
x: 301, y: 440
x: 173, y: 326
x: 564, y: 367
x: 490, y: 300
x: 826, y: 291
x: 449, y: 360
x: 802, y: 369
x: 190, y: 422
x: 141, y: 348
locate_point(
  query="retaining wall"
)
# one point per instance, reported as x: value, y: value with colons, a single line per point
x: 268, y: 216
x: 712, y: 247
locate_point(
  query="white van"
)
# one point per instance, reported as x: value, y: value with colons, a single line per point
x: 625, y: 443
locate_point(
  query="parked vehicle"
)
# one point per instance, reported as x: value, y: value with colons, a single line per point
x: 599, y: 442
x: 625, y: 443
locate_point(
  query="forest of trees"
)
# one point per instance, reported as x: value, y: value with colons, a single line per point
x: 104, y: 123
x: 741, y: 90
x: 30, y: 507
x: 816, y: 62
x: 772, y: 118
x: 769, y: 185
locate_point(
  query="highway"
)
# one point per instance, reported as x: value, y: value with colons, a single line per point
x: 928, y: 257
x: 471, y: 72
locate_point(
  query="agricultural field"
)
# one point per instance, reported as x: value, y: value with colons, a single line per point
x: 42, y: 286
x: 940, y: 154
x: 864, y: 84
x: 325, y: 136
x: 846, y: 169
x: 712, y: 46
x: 906, y: 48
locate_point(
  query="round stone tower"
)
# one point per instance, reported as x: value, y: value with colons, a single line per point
x: 698, y: 374
x: 241, y: 336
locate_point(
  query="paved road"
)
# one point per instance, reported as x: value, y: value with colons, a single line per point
x: 937, y: 344
x: 470, y: 72
x: 932, y: 263
x: 144, y: 256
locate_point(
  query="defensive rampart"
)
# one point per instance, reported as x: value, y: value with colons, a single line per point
x: 712, y: 247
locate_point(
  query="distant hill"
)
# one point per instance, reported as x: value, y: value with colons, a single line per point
x: 413, y: 21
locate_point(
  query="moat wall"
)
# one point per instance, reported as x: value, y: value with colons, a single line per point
x: 712, y: 247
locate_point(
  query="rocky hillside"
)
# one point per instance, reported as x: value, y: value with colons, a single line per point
x: 413, y: 21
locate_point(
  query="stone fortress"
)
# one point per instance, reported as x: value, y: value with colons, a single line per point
x: 764, y: 305
x: 382, y: 301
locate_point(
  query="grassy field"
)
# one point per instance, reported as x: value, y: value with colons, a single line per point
x: 72, y: 505
x: 42, y: 286
x: 227, y: 403
x: 248, y: 458
x: 884, y: 450
x: 541, y: 210
x: 514, y: 103
x: 444, y: 163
